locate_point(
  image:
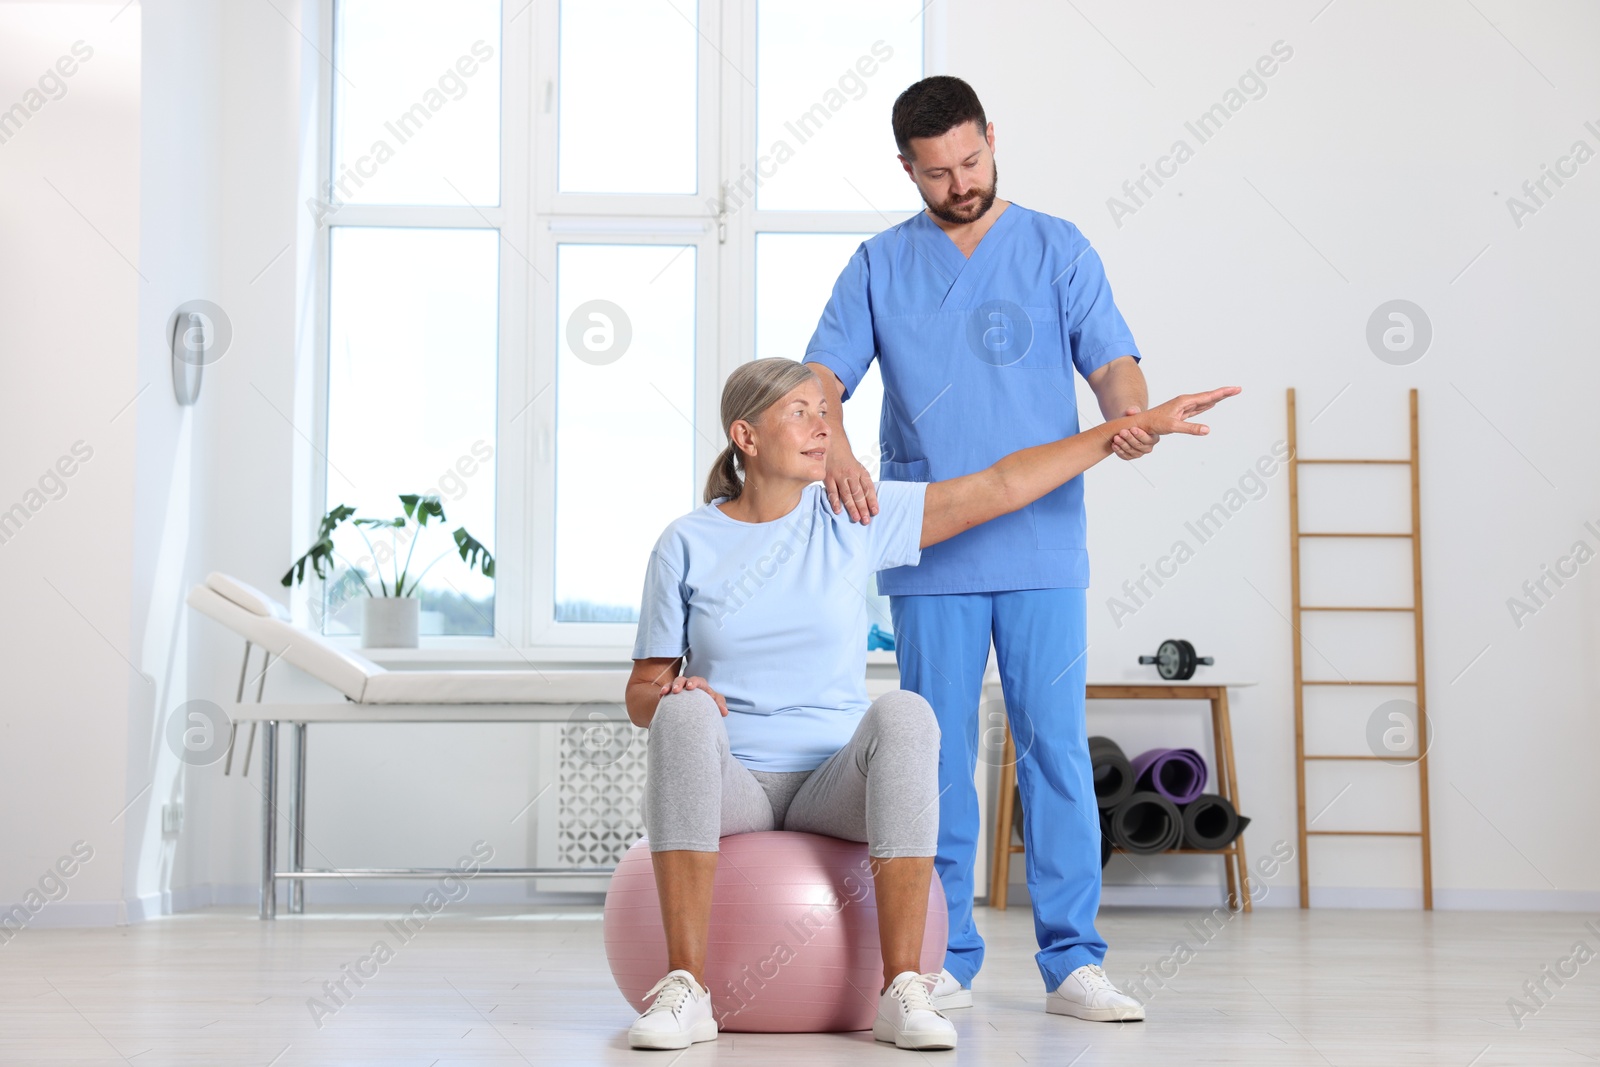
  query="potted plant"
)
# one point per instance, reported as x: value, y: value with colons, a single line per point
x: 390, y: 613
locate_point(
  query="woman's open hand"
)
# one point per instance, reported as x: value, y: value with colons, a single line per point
x: 682, y: 682
x: 1174, y: 415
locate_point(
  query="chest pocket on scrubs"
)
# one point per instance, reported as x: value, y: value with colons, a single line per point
x: 915, y: 470
x: 1016, y: 336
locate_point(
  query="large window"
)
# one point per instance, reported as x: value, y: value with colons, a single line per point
x: 552, y: 230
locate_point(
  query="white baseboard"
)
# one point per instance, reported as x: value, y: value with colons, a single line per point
x: 68, y: 913
x: 80, y: 913
x: 498, y: 892
x: 1158, y: 896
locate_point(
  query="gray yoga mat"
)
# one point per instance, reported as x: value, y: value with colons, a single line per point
x: 1146, y: 823
x: 1211, y: 822
x: 1113, y: 773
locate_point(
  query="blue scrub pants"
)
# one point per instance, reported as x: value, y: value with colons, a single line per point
x: 1040, y: 637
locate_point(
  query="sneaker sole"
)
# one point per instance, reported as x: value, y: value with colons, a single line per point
x: 1056, y: 1006
x: 915, y: 1041
x: 702, y: 1031
x: 961, y: 998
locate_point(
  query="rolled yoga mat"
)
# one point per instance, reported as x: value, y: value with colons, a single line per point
x: 1113, y: 774
x: 1145, y: 823
x: 1211, y: 822
x: 1179, y: 774
x: 1106, y: 844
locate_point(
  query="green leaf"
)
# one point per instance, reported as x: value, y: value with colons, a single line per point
x: 319, y: 556
x: 333, y: 519
x: 473, y: 552
x: 422, y: 508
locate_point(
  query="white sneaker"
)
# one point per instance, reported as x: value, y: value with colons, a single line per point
x: 908, y: 1018
x: 948, y: 993
x: 680, y: 1016
x: 1088, y: 994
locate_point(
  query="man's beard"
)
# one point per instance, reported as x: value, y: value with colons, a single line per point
x: 982, y: 198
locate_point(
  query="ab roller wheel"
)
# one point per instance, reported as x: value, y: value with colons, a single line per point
x: 1175, y: 660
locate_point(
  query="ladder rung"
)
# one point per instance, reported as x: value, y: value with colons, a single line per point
x: 1303, y: 533
x: 1404, y: 462
x: 1332, y: 607
x: 1392, y: 759
x: 1308, y: 681
x: 1365, y: 833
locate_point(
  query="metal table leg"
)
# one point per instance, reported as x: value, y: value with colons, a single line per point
x: 297, y: 819
x: 269, y: 819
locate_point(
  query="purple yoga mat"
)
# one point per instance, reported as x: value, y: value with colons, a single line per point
x: 1179, y: 774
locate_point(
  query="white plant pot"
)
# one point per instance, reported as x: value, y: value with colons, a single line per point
x: 389, y: 621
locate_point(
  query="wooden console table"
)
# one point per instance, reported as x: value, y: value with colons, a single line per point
x: 1225, y: 782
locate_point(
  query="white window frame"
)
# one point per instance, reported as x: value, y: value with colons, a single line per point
x: 533, y: 219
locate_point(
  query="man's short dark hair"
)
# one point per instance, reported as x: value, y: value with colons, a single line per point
x: 932, y: 107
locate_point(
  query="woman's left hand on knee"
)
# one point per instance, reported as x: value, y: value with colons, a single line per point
x: 682, y: 682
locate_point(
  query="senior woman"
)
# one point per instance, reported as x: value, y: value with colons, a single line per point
x: 750, y: 667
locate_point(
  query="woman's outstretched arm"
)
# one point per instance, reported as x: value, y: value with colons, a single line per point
x: 1022, y: 477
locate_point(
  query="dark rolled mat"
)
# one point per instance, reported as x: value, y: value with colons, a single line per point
x: 1211, y: 822
x: 1106, y: 844
x: 1146, y: 823
x: 1113, y: 774
x: 1179, y: 774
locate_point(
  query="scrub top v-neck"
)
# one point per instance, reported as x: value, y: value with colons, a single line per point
x: 977, y: 356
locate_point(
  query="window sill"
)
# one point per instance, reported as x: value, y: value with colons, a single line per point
x: 456, y: 653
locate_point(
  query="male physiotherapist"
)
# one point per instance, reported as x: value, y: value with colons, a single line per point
x: 977, y: 311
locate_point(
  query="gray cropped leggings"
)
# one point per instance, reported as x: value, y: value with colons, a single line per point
x: 882, y: 787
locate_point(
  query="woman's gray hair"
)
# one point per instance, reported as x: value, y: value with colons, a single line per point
x: 750, y: 390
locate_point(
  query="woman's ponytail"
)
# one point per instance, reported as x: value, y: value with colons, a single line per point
x: 724, y: 480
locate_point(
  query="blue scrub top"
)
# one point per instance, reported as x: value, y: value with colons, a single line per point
x: 974, y: 358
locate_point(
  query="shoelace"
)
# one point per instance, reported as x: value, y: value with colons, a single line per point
x: 1095, y: 981
x: 669, y: 993
x: 914, y: 992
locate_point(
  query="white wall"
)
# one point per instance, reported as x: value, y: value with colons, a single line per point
x: 1376, y: 166
x: 181, y: 256
x: 70, y: 297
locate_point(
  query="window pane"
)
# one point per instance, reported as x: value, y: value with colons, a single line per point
x: 624, y: 418
x: 416, y: 102
x: 412, y: 340
x: 795, y: 273
x: 628, y: 98
x: 827, y: 74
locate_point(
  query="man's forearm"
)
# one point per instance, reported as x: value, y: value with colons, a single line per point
x: 1013, y: 482
x: 1122, y: 387
x: 832, y: 391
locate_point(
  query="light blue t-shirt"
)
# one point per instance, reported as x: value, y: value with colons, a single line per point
x: 774, y: 616
x: 978, y: 358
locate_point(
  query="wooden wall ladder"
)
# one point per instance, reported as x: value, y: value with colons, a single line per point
x: 1300, y: 682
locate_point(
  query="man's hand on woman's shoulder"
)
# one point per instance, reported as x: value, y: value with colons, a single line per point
x: 850, y: 485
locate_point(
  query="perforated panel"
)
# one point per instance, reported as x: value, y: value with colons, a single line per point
x: 601, y: 782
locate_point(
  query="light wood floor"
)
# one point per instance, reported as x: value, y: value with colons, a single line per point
x: 489, y: 986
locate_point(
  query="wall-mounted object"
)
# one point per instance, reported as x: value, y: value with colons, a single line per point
x: 198, y: 334
x: 186, y: 338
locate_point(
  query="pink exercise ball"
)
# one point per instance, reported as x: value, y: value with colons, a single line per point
x: 794, y: 933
